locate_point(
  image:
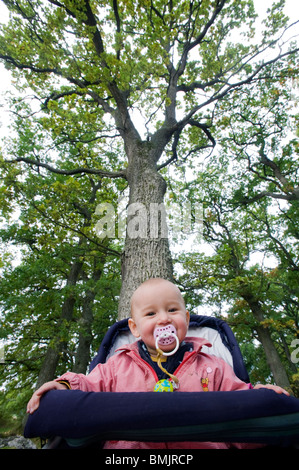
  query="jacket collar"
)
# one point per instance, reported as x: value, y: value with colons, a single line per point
x: 198, y: 343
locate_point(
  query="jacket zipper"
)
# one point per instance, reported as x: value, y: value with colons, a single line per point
x: 184, y: 362
x: 148, y: 366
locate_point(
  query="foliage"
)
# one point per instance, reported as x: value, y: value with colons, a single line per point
x: 50, y: 219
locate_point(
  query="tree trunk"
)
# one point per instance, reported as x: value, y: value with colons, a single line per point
x: 146, y: 253
x: 82, y: 359
x: 85, y: 335
x: 48, y: 368
x: 272, y: 356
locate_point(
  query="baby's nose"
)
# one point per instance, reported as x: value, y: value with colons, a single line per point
x: 163, y: 317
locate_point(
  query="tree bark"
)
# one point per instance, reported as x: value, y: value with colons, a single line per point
x: 82, y: 358
x: 272, y: 356
x: 146, y: 253
x: 49, y: 365
x: 48, y: 368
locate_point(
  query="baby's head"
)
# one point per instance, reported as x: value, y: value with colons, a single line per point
x: 158, y: 303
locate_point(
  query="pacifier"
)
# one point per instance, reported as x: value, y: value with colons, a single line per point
x: 164, y: 336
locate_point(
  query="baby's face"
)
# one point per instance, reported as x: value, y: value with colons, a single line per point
x: 155, y: 304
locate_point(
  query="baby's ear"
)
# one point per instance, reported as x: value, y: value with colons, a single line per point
x: 187, y: 317
x: 133, y: 328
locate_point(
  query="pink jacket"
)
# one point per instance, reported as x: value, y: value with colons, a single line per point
x: 126, y: 371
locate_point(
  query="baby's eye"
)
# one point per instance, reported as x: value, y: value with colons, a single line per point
x: 150, y: 314
x: 172, y: 310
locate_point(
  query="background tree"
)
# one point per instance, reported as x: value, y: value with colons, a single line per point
x: 54, y: 300
x: 249, y: 194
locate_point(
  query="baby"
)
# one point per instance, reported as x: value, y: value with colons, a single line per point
x: 161, y: 355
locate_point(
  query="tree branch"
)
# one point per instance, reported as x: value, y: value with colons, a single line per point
x: 190, y: 45
x: 262, y: 194
x: 76, y: 171
x: 218, y: 95
x: 118, y: 24
x: 20, y: 66
x: 97, y: 38
x: 290, y: 193
x: 204, y: 128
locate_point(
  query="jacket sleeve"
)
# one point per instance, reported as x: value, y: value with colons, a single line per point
x: 100, y: 379
x: 226, y: 379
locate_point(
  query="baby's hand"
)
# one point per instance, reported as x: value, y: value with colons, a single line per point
x: 276, y: 388
x: 34, y: 401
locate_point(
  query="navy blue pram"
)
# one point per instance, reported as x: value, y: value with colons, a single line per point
x: 83, y: 418
x: 217, y: 331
